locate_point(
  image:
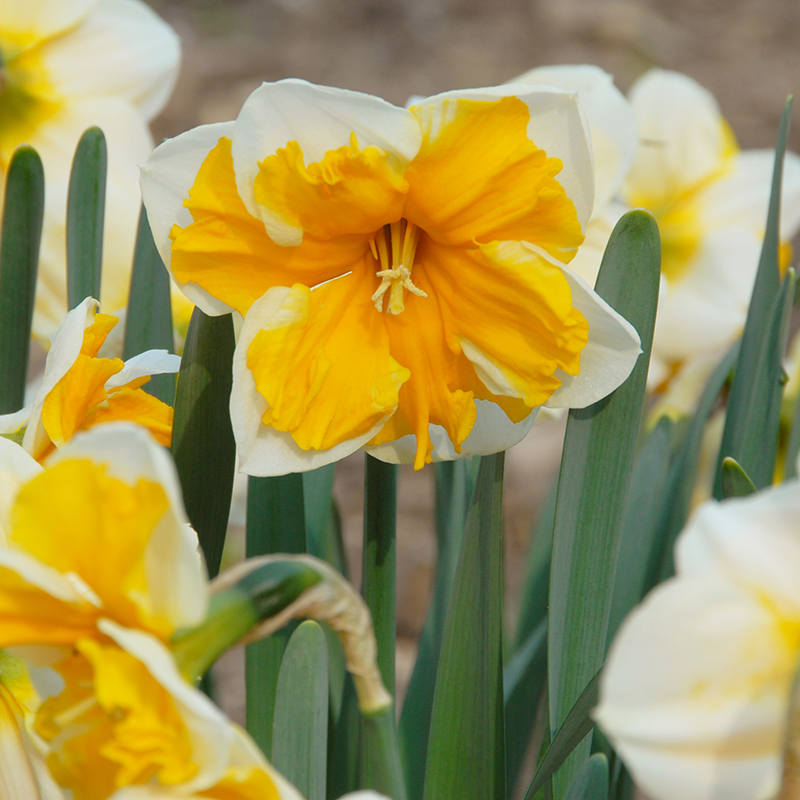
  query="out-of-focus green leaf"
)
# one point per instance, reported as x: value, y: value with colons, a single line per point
x: 751, y: 423
x: 466, y: 750
x: 300, y: 728
x: 735, y: 481
x: 148, y: 323
x: 593, y: 483
x: 86, y: 203
x: 591, y: 782
x: 523, y: 681
x: 323, y: 526
x: 275, y: 524
x: 572, y: 732
x: 23, y: 211
x: 640, y: 523
x: 454, y: 485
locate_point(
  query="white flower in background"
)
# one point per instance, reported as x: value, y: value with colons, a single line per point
x: 710, y: 201
x: 68, y: 65
x: 695, y: 693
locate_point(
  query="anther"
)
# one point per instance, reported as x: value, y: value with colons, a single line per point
x: 395, y: 275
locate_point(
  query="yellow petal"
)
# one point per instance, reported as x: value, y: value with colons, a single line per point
x: 244, y: 783
x: 479, y: 178
x: 324, y: 365
x: 228, y: 253
x: 130, y: 404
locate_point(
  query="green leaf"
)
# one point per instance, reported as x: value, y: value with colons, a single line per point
x: 148, y: 323
x: 300, y: 731
x: 202, y: 437
x: 751, y: 424
x: 523, y: 680
x: 573, y: 731
x: 275, y: 524
x: 735, y: 481
x: 323, y: 526
x: 85, y: 216
x: 640, y: 523
x: 380, y: 755
x: 454, y: 485
x: 591, y: 782
x: 23, y: 211
x: 466, y: 750
x: 593, y: 483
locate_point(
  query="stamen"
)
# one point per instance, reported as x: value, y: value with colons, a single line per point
x: 395, y: 276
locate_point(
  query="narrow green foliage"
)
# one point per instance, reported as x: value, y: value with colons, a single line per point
x: 593, y: 484
x: 23, y: 211
x: 148, y: 323
x: 591, y: 782
x: 573, y: 731
x: 735, y: 481
x: 300, y: 728
x: 454, y: 485
x: 275, y: 524
x: 523, y: 681
x: 793, y: 446
x: 750, y: 434
x: 202, y: 437
x: 640, y: 523
x: 323, y: 526
x: 466, y: 750
x: 85, y: 217
x: 380, y: 755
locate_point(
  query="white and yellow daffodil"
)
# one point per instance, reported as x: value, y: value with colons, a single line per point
x: 710, y: 201
x: 79, y: 389
x: 67, y: 65
x: 400, y: 271
x: 695, y: 694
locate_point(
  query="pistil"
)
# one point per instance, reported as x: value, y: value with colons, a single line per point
x: 395, y: 272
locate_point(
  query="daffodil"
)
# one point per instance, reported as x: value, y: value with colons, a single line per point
x: 695, y: 694
x: 80, y: 389
x: 710, y: 201
x: 67, y: 65
x: 400, y: 271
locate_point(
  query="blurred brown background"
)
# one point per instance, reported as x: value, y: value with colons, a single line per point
x: 747, y: 52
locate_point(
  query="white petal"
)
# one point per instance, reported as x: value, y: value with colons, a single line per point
x: 695, y: 691
x: 64, y: 351
x: 493, y: 431
x: 42, y: 19
x: 16, y: 469
x: 319, y: 119
x: 755, y: 541
x: 208, y: 728
x: 590, y: 254
x: 49, y: 580
x: 166, y: 179
x: 610, y: 117
x: 151, y: 362
x: 556, y: 125
x: 176, y: 577
x: 121, y: 48
x: 262, y: 450
x: 682, y: 138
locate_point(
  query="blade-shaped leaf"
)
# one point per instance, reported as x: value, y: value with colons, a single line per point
x: 593, y: 483
x: 323, y: 526
x: 85, y: 217
x: 591, y: 782
x: 735, y: 481
x: 300, y: 728
x: 23, y: 211
x: 466, y: 751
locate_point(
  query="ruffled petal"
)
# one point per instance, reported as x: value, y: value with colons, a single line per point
x: 319, y: 119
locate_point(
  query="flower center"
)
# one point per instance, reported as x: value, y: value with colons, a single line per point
x: 394, y: 247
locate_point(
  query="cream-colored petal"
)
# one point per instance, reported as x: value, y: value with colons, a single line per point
x: 262, y: 450
x: 590, y: 254
x: 166, y: 179
x: 16, y: 469
x: 41, y: 19
x: 556, y: 125
x: 610, y: 117
x: 319, y: 119
x: 134, y: 55
x: 696, y: 688
x: 151, y: 362
x: 682, y: 138
x: 493, y: 431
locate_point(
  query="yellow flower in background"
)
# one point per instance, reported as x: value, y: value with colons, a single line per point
x: 68, y: 65
x: 710, y: 201
x: 695, y: 693
x: 80, y: 389
x: 400, y: 271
